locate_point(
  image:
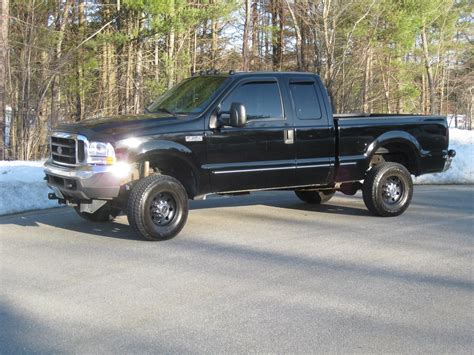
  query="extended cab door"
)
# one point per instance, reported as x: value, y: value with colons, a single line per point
x: 259, y: 155
x: 315, y: 138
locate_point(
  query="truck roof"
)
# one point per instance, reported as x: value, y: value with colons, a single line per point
x: 272, y: 73
x: 252, y: 73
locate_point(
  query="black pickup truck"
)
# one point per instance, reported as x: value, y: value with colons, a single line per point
x: 234, y: 133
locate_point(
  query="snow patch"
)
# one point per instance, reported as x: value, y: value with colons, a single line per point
x: 22, y: 187
x: 462, y: 166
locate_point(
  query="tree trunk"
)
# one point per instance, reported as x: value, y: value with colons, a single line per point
x: 245, y: 39
x: 386, y: 83
x: 367, y: 80
x: 195, y: 49
x: 266, y: 40
x: 138, y: 96
x: 171, y: 64
x: 317, y: 51
x: 470, y: 115
x: 156, y: 63
x: 303, y: 9
x: 254, y: 33
x: 55, y: 88
x: 442, y: 87
x: 128, y: 75
x: 328, y: 46
x: 342, y: 100
x: 171, y: 49
x: 424, y: 99
x: 299, y: 38
x: 277, y: 40
x: 4, y: 17
x: 399, y: 99
x: 429, y: 71
x: 80, y: 60
x: 214, y: 42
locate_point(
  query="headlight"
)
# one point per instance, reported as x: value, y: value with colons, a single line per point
x: 121, y: 170
x: 100, y: 153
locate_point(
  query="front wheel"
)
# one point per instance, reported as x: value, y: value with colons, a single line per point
x: 157, y: 207
x: 387, y: 189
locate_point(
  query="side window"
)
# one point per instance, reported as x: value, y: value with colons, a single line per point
x: 261, y: 100
x: 306, y: 100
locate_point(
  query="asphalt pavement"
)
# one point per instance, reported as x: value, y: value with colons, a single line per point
x: 258, y: 273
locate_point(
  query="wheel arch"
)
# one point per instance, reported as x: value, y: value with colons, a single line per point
x: 173, y: 159
x: 397, y: 146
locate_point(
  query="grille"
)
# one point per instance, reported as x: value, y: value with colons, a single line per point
x: 63, y: 150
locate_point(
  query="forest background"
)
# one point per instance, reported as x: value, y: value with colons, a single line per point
x: 65, y: 61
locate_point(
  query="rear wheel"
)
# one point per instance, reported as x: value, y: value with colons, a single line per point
x: 387, y: 189
x: 104, y: 214
x: 315, y: 197
x: 157, y: 207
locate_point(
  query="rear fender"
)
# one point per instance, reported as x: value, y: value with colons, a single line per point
x: 405, y: 140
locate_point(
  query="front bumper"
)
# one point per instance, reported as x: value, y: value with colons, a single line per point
x: 86, y: 182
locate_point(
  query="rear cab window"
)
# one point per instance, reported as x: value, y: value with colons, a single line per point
x: 305, y: 100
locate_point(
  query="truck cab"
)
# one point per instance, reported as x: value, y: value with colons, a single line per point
x: 287, y: 140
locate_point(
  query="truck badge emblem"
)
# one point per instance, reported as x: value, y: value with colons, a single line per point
x: 193, y: 138
x: 60, y: 150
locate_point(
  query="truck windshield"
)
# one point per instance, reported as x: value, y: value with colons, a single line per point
x: 190, y: 96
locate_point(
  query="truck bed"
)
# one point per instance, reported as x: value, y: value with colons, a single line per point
x: 360, y: 135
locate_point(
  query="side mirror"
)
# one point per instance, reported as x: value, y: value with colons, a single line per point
x: 238, y: 116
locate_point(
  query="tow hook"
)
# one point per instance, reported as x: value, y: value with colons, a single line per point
x: 52, y: 196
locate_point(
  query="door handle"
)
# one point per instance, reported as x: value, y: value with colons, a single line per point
x: 289, y: 136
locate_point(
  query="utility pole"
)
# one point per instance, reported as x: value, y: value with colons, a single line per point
x: 4, y: 17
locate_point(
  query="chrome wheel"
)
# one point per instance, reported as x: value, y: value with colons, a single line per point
x: 392, y: 190
x: 163, y: 209
x: 387, y: 189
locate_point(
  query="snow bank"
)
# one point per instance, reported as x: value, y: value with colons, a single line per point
x: 462, y: 167
x: 22, y: 187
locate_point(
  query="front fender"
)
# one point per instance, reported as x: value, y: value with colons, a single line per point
x: 169, y: 147
x: 151, y: 149
x: 170, y: 152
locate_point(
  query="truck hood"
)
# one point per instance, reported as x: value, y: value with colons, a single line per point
x: 114, y: 128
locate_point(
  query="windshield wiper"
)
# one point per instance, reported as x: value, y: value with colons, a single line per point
x: 162, y: 109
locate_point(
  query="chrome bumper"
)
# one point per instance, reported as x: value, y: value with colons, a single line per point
x: 87, y: 182
x: 449, y: 159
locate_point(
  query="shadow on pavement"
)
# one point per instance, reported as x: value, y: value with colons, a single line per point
x: 67, y: 219
x: 282, y: 200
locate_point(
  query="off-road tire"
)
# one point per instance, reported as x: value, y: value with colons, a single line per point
x: 104, y: 214
x: 142, y: 213
x: 378, y: 196
x: 315, y: 197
